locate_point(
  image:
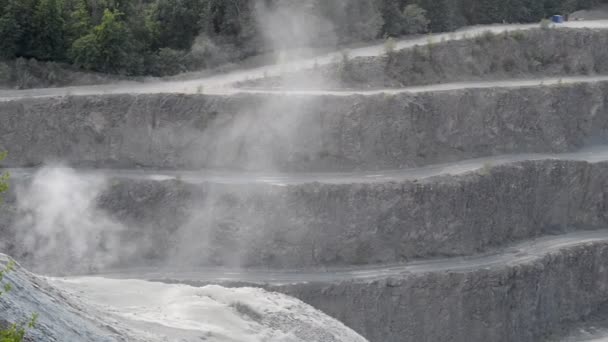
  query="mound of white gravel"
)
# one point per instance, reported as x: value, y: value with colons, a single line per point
x: 99, y: 309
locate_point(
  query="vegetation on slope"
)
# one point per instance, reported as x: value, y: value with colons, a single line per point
x: 15, y: 332
x: 163, y: 37
x: 4, y: 176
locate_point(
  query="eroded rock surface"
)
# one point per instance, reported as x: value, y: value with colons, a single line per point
x: 97, y: 309
x: 487, y: 56
x: 146, y: 221
x: 299, y: 132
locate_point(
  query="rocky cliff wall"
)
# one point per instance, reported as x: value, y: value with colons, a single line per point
x: 513, y: 302
x: 321, y: 224
x: 509, y: 55
x: 303, y: 133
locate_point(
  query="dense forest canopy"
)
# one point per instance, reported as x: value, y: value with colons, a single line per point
x: 161, y: 37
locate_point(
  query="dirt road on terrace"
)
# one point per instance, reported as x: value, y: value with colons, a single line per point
x: 222, y: 84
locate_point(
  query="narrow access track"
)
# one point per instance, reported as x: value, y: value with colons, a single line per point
x: 525, y: 252
x: 222, y: 84
x: 154, y: 89
x: 592, y: 154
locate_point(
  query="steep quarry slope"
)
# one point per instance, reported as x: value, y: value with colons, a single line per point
x: 193, y: 83
x: 423, y: 300
x: 366, y: 205
x: 94, y: 309
x: 519, y: 300
x: 520, y: 294
x: 61, y: 318
x: 593, y: 329
x: 158, y: 219
x: 489, y: 56
x: 318, y: 132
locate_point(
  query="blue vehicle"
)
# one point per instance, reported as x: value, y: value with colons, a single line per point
x: 557, y: 19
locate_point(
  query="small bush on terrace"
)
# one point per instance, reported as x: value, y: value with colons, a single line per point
x: 389, y: 47
x: 545, y: 24
x: 3, y: 177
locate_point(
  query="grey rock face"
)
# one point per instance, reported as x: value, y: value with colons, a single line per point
x: 314, y: 225
x: 525, y: 293
x: 270, y: 132
x: 321, y: 224
x: 594, y: 328
x: 490, y: 56
x: 522, y: 302
x: 325, y: 224
x: 59, y: 318
x: 66, y: 314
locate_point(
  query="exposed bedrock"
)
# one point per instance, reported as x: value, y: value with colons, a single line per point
x: 104, y: 310
x: 516, y: 54
x: 59, y: 318
x: 297, y: 132
x: 512, y: 302
x: 593, y: 328
x: 314, y: 224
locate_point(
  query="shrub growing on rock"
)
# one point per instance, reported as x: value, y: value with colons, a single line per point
x: 15, y: 332
x: 3, y: 179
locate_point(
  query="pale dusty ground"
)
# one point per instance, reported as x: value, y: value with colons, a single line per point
x: 210, y: 313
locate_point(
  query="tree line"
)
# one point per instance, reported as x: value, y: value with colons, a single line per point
x: 162, y: 37
x: 450, y: 14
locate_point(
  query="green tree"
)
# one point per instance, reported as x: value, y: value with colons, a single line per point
x: 354, y: 20
x: 364, y: 21
x: 444, y: 15
x: 85, y: 52
x: 10, y: 31
x: 232, y: 23
x: 175, y: 22
x: 118, y: 36
x: 414, y: 19
x: 49, y: 28
x: 78, y: 22
x: 522, y: 11
x: 16, y: 28
x: 3, y: 177
x: 393, y: 18
x: 167, y: 62
x: 490, y: 11
x: 109, y: 48
x: 403, y: 20
x: 224, y: 17
x: 113, y: 41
